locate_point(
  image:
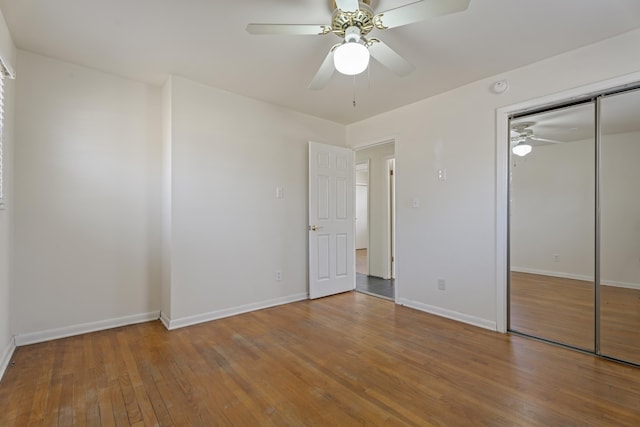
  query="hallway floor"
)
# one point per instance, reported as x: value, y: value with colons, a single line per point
x: 375, y: 286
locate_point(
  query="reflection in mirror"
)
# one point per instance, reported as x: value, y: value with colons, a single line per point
x: 552, y: 198
x: 620, y: 227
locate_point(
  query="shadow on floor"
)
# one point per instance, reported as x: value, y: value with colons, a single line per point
x: 375, y: 286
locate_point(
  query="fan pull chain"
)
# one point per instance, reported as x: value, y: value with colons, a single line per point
x: 354, y: 91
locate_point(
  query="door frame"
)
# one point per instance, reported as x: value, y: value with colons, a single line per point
x: 365, y: 146
x: 391, y: 208
x: 368, y: 163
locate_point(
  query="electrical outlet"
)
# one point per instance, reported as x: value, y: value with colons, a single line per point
x: 556, y: 258
x: 442, y: 174
x: 278, y: 275
x: 442, y: 284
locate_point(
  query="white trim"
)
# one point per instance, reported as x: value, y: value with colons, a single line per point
x: 6, y: 356
x: 613, y: 283
x: 83, y: 328
x: 603, y: 282
x: 453, y: 315
x: 232, y: 311
x: 165, y: 319
x: 549, y: 273
x: 502, y: 155
x: 375, y: 143
x: 502, y: 222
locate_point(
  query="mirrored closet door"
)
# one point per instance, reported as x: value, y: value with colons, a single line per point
x: 620, y: 226
x: 574, y: 225
x: 552, y: 196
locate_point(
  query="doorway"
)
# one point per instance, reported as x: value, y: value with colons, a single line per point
x: 375, y: 220
x: 573, y: 256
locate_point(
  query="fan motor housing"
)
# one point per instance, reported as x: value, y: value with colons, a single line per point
x: 362, y: 19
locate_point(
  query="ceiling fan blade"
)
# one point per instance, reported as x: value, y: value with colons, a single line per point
x: 550, y: 141
x: 288, y: 29
x: 348, y: 5
x: 389, y: 58
x: 419, y: 11
x: 324, y: 73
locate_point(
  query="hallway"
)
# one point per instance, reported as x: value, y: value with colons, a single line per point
x: 372, y: 285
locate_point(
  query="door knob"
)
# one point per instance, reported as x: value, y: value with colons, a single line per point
x: 315, y: 227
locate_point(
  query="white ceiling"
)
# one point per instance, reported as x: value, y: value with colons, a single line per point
x: 206, y: 41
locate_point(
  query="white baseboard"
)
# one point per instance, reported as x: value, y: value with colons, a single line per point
x: 563, y: 275
x: 83, y: 328
x: 449, y: 314
x: 227, y: 312
x: 5, y: 358
x: 560, y: 274
x: 620, y: 284
x: 165, y: 319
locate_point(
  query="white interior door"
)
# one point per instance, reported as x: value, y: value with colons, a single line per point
x: 331, y: 220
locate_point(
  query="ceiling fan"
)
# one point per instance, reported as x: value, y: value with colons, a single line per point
x: 522, y: 135
x: 352, y: 21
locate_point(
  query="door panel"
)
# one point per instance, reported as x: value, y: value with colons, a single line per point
x: 620, y: 227
x: 552, y: 227
x: 331, y: 220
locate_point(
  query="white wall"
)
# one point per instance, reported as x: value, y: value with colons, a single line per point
x: 6, y: 216
x: 453, y: 236
x: 362, y: 216
x: 87, y: 198
x: 229, y: 231
x: 378, y: 206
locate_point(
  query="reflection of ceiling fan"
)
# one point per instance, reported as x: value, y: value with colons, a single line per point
x: 522, y: 137
x: 353, y: 20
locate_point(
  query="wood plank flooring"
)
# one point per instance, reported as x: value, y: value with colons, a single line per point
x: 562, y: 310
x: 350, y: 359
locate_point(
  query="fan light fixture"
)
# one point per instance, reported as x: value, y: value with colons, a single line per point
x: 351, y: 57
x: 522, y: 149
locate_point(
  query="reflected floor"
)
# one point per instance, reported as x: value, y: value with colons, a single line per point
x: 562, y: 310
x: 375, y: 286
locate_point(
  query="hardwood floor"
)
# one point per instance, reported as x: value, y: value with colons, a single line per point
x: 562, y: 310
x: 349, y: 359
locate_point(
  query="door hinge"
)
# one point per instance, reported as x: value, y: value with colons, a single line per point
x: 391, y: 172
